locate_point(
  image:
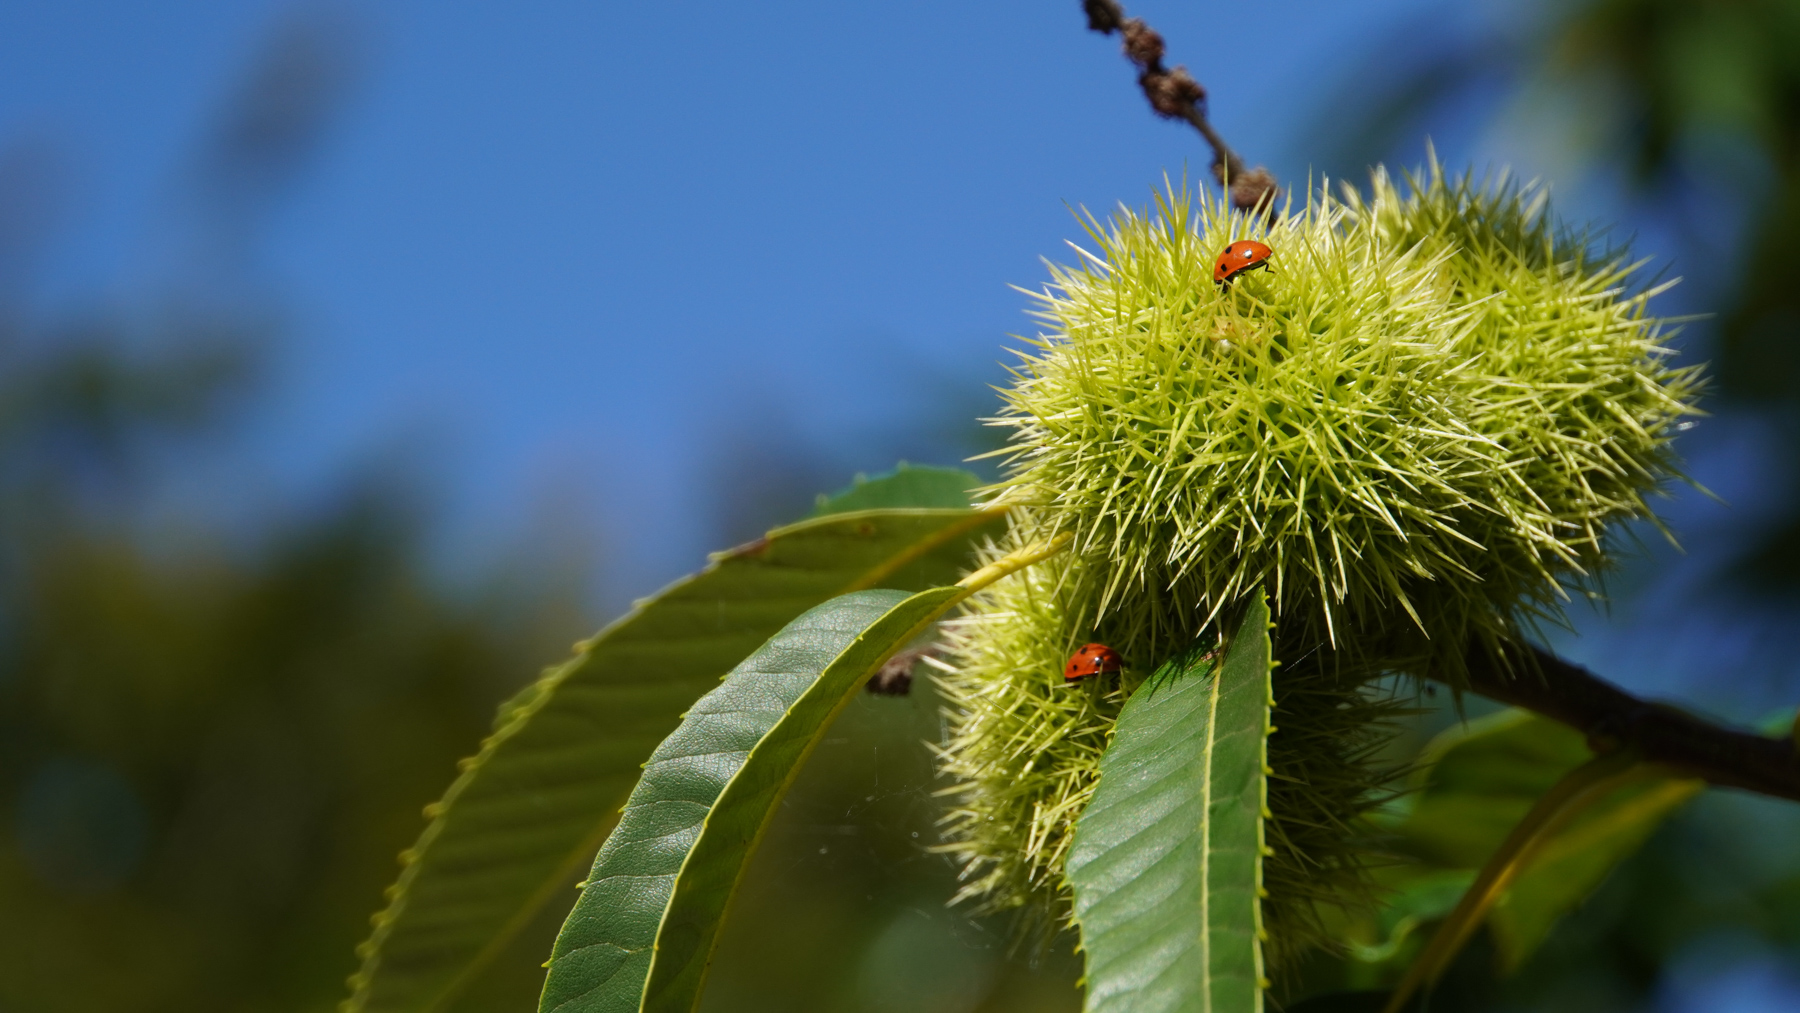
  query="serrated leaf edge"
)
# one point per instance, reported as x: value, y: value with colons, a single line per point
x: 515, y: 712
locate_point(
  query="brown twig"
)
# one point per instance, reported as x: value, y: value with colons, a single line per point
x: 1612, y: 718
x: 894, y: 677
x: 1175, y: 95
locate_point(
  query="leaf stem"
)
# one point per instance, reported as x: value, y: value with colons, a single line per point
x: 1014, y: 562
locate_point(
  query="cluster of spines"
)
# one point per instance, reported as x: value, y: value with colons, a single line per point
x: 1025, y: 754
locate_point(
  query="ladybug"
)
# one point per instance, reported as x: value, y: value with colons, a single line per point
x: 1240, y: 257
x: 1092, y: 660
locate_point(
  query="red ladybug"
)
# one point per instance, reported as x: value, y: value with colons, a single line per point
x: 1240, y: 257
x: 1092, y: 660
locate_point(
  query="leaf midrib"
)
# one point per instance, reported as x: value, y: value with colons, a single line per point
x: 793, y: 771
x: 1206, y: 794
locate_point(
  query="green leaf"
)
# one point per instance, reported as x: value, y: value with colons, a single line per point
x: 529, y: 809
x: 907, y: 485
x: 1476, y: 783
x: 1413, y: 896
x: 643, y: 932
x: 1573, y: 863
x: 650, y: 912
x: 1167, y: 859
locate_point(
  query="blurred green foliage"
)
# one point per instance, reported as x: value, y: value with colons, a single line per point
x: 216, y: 731
x: 1678, y: 85
x: 1707, y: 94
x: 210, y: 753
x: 1472, y: 784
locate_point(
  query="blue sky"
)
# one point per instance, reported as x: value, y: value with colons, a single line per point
x: 588, y: 275
x: 569, y: 257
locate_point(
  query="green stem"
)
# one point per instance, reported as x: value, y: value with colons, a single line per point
x: 1580, y: 787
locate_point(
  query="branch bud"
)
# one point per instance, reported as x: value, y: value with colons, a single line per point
x: 1253, y: 189
x: 1143, y: 44
x: 1172, y: 93
x: 1104, y: 16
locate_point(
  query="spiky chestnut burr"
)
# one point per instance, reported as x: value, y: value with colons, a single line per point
x: 1414, y: 432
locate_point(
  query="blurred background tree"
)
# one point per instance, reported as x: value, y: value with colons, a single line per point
x: 213, y: 742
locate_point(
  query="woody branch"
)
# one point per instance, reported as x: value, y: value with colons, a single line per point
x: 1175, y: 95
x: 1612, y: 719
